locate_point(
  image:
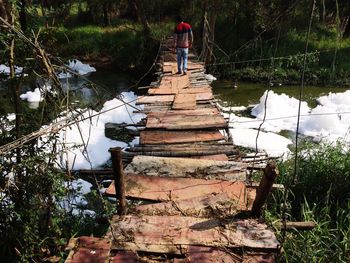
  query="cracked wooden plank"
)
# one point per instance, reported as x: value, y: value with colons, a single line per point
x: 180, y: 122
x: 184, y: 102
x: 202, y: 206
x: 164, y: 188
x: 164, y: 137
x: 170, y: 231
x: 161, y: 99
x: 185, y: 167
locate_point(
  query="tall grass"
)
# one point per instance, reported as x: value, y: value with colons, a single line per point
x: 95, y: 41
x: 322, y: 195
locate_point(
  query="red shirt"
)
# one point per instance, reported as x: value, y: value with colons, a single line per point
x: 183, y: 35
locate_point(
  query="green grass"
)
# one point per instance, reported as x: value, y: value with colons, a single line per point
x: 291, y: 45
x: 162, y: 30
x: 321, y: 194
x: 121, y: 44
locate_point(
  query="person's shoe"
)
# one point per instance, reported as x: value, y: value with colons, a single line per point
x: 185, y: 73
x: 178, y: 73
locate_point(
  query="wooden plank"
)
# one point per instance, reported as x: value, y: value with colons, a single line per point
x: 161, y: 137
x: 170, y: 67
x: 155, y: 99
x: 184, y: 102
x: 200, y: 146
x: 156, y: 108
x: 163, y: 91
x: 185, y: 231
x: 216, y: 157
x: 196, y: 254
x: 151, y: 107
x: 194, y: 66
x: 167, y: 89
x: 167, y: 188
x: 163, y: 112
x: 205, y: 96
x: 89, y: 249
x: 203, y: 206
x: 198, y: 90
x: 169, y: 63
x: 180, y: 81
x: 185, y: 167
x: 123, y: 257
x: 186, y: 122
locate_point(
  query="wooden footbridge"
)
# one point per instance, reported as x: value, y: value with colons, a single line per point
x: 193, y: 200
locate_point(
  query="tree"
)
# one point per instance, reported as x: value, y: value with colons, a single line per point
x: 5, y: 10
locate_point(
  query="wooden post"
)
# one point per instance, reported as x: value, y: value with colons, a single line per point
x: 308, y: 225
x: 119, y: 184
x: 265, y: 186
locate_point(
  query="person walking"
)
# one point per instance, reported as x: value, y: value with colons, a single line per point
x: 183, y: 39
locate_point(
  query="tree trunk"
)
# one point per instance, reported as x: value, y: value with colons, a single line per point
x: 106, y: 21
x: 23, y: 15
x: 209, y: 22
x: 323, y: 11
x: 140, y: 11
x: 5, y: 10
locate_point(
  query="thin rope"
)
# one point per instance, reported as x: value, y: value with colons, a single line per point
x: 265, y: 103
x: 54, y: 128
x: 293, y: 116
x: 287, y: 189
x: 301, y: 92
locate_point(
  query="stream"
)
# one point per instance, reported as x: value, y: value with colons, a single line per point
x: 242, y: 103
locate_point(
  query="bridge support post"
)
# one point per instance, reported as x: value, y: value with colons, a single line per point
x: 265, y: 186
x: 119, y: 183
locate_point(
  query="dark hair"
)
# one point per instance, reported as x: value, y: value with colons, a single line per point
x: 179, y: 19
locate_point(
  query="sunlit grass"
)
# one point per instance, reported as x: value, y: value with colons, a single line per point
x: 320, y: 194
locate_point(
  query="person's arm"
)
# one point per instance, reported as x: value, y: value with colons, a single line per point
x: 175, y: 38
x: 190, y: 39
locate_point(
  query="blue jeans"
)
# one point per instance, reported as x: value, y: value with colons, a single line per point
x: 182, y: 54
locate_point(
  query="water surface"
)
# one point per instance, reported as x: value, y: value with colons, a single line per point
x: 249, y: 93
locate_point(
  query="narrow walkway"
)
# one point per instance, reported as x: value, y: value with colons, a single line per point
x: 191, y: 180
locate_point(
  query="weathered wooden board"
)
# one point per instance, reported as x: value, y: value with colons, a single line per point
x: 168, y: 90
x: 180, y: 81
x: 161, y: 137
x: 203, y: 206
x: 185, y: 167
x: 123, y: 257
x: 88, y: 249
x: 162, y: 85
x: 184, y: 102
x: 156, y: 108
x: 184, y: 231
x: 205, y: 90
x: 148, y: 108
x: 166, y: 188
x: 196, y: 254
x: 155, y: 99
x: 163, y: 90
x: 181, y: 122
x: 163, y: 112
x: 200, y: 146
x: 215, y: 157
x: 194, y: 66
x: 168, y: 69
x: 204, y: 96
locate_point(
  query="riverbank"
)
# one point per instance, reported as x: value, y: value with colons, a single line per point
x: 121, y: 47
x: 280, y: 57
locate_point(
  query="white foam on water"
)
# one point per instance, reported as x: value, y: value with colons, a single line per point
x: 85, y: 145
x: 329, y: 121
